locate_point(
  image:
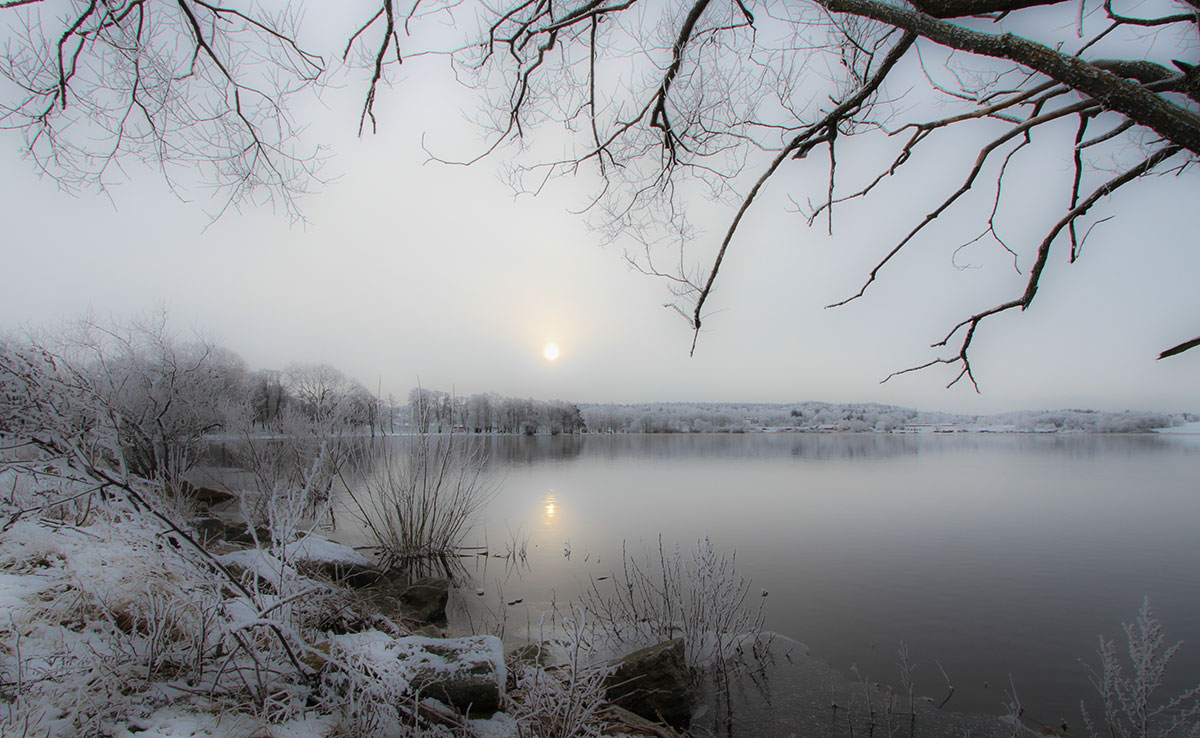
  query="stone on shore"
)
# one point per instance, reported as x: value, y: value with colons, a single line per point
x: 654, y: 683
x: 466, y: 673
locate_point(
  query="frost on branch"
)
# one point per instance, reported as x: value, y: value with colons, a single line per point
x: 1131, y: 707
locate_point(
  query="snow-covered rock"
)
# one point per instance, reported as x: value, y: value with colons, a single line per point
x: 466, y: 673
x: 318, y: 549
x: 331, y: 560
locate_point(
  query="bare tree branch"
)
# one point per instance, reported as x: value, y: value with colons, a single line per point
x: 962, y: 356
x: 1172, y: 122
x: 831, y: 120
x: 1185, y: 346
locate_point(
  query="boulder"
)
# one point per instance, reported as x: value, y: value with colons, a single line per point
x: 654, y: 683
x: 351, y: 575
x: 211, y: 496
x: 207, y: 496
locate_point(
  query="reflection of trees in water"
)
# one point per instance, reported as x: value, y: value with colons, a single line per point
x: 364, y: 453
x: 854, y: 446
x: 841, y: 446
x: 524, y: 450
x: 752, y: 445
x: 1070, y: 445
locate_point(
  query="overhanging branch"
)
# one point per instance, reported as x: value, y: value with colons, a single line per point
x: 1173, y: 122
x: 1185, y: 346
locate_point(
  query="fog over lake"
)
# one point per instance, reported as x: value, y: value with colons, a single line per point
x: 993, y: 555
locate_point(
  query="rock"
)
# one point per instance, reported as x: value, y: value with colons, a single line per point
x: 351, y: 575
x: 212, y: 497
x: 424, y: 601
x: 207, y: 496
x: 532, y: 654
x: 215, y: 530
x: 319, y: 555
x: 654, y: 683
x: 465, y: 673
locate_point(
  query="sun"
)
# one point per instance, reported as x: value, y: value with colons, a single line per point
x: 550, y: 351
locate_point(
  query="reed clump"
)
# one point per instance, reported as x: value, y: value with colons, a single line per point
x: 420, y: 498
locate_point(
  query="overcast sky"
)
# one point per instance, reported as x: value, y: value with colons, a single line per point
x: 409, y: 271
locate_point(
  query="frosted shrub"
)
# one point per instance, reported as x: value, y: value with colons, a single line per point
x: 367, y: 680
x: 1130, y: 707
x: 370, y: 699
x: 292, y: 459
x: 700, y: 597
x: 566, y: 700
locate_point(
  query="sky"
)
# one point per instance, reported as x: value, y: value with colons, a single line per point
x: 411, y: 272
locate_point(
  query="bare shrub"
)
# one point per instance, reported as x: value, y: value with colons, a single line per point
x: 1130, y: 706
x: 420, y: 501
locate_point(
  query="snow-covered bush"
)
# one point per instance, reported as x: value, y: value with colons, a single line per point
x: 163, y: 395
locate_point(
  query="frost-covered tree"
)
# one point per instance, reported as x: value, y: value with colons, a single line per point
x: 266, y: 395
x: 325, y: 393
x: 160, y: 393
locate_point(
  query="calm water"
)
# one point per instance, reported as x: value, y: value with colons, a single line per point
x: 993, y: 555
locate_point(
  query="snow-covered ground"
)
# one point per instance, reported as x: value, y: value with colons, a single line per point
x: 113, y: 625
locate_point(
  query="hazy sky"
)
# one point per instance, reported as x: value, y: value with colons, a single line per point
x: 411, y: 271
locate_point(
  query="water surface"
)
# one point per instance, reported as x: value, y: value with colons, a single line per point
x: 996, y: 556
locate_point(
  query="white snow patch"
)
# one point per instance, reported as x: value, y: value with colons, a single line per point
x: 320, y: 549
x: 1186, y: 429
x: 176, y: 722
x: 309, y: 726
x: 264, y: 565
x: 17, y: 589
x: 500, y: 725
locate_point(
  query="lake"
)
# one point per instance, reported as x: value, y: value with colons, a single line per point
x: 995, y: 556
